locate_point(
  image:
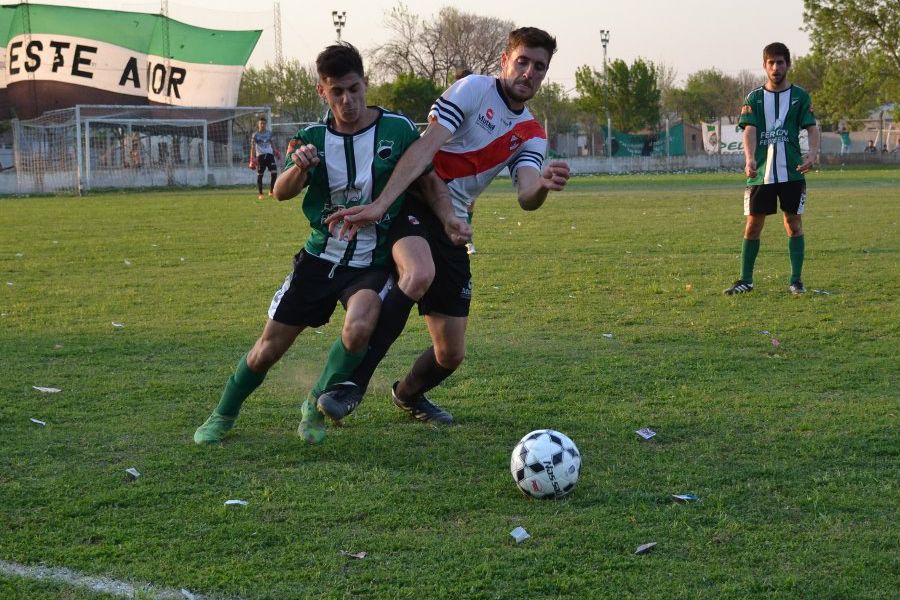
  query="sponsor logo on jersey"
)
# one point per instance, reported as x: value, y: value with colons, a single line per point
x: 485, y: 123
x: 489, y: 114
x: 385, y: 149
x: 412, y: 220
x: 773, y: 136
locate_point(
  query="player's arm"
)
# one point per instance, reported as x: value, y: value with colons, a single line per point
x: 292, y: 181
x: 410, y: 166
x: 534, y: 185
x: 749, y: 150
x: 810, y: 160
x: 436, y: 195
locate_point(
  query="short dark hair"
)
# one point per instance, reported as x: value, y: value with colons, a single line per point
x: 531, y: 37
x: 262, y: 118
x: 338, y: 60
x: 777, y: 49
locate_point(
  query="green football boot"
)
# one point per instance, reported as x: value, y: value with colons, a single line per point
x: 213, y: 429
x: 312, y: 425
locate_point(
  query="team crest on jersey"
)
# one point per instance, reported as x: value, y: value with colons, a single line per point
x: 385, y: 149
x: 746, y: 109
x: 514, y: 142
x: 412, y: 220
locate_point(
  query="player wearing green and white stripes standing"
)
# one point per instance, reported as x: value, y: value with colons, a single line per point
x: 772, y: 117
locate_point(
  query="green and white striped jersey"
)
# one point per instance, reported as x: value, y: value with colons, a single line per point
x: 352, y: 170
x: 778, y: 118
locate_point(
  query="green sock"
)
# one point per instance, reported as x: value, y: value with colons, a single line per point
x: 240, y: 385
x: 339, y: 366
x: 796, y: 248
x: 749, y: 250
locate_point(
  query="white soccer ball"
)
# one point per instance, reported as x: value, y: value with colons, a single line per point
x: 545, y: 464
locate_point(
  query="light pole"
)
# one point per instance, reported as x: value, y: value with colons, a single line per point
x: 604, y: 39
x: 340, y: 19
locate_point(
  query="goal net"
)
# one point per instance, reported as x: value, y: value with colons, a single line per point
x: 91, y: 147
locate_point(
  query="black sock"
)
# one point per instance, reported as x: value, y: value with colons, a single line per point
x: 259, y: 182
x: 272, y: 183
x: 394, y: 313
x: 425, y: 374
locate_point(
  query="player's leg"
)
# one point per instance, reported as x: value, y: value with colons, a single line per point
x: 758, y: 202
x: 273, y: 173
x: 415, y: 272
x: 432, y: 367
x: 275, y: 340
x: 793, y: 203
x: 260, y: 169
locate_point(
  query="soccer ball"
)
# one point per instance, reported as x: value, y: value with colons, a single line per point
x: 545, y: 464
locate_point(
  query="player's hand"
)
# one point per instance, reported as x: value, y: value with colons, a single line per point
x: 807, y: 165
x: 277, y: 153
x: 750, y: 168
x: 252, y: 164
x: 305, y: 157
x: 345, y: 223
x: 459, y: 231
x: 555, y: 175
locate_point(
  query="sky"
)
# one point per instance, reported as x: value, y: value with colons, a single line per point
x: 686, y: 35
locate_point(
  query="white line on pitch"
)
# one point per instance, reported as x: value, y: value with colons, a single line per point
x: 105, y: 585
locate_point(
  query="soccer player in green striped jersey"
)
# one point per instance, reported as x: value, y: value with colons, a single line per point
x: 772, y: 117
x: 343, y: 162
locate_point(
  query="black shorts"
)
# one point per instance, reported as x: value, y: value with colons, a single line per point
x: 265, y: 161
x: 311, y: 292
x: 451, y: 291
x: 761, y: 199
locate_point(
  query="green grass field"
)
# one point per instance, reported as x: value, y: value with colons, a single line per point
x: 793, y: 450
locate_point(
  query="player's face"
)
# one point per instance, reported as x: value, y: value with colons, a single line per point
x: 776, y: 70
x: 345, y: 96
x: 522, y: 71
x: 261, y: 126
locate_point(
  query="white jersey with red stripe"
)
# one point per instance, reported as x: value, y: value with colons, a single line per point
x: 487, y: 136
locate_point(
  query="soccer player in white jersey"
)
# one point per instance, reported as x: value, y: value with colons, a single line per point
x: 477, y: 128
x: 772, y: 117
x: 344, y: 162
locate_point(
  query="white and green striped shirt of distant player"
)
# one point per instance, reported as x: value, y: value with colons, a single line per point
x: 778, y: 118
x: 353, y: 169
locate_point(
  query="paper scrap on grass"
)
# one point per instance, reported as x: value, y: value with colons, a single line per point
x: 607, y: 335
x: 236, y: 503
x: 10, y: 283
x: 19, y: 254
x: 519, y: 534
x: 118, y: 325
x: 823, y: 292
x: 358, y: 555
x: 127, y: 263
x: 645, y: 548
x: 766, y: 332
x: 645, y: 432
x: 132, y: 473
x: 685, y: 497
x: 38, y: 422
x: 776, y: 342
x: 46, y: 390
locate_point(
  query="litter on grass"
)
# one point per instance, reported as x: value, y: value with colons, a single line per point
x: 685, y: 497
x: 46, y: 390
x: 822, y: 292
x: 118, y: 325
x: 127, y: 263
x: 357, y: 555
x: 519, y: 534
x: 38, y: 422
x: 645, y: 548
x: 776, y: 342
x: 645, y: 432
x: 236, y: 503
x: 132, y: 473
x: 608, y: 336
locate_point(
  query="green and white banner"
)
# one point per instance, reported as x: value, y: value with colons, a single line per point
x: 55, y: 57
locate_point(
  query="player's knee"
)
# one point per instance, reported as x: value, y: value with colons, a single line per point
x: 356, y: 333
x: 415, y: 281
x: 450, y: 358
x: 263, y: 356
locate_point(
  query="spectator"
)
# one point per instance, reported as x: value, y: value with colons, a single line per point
x: 871, y: 147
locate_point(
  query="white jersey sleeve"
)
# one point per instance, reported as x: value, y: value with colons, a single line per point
x: 456, y: 103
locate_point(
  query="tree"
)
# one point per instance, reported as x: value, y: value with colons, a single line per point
x: 665, y: 83
x: 290, y: 90
x: 436, y: 49
x: 408, y: 94
x: 632, y: 97
x: 858, y: 42
x: 709, y: 94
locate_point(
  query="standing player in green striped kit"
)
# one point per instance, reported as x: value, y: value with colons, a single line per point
x: 344, y: 162
x: 772, y: 117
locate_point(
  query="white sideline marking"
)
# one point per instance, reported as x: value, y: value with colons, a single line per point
x: 105, y: 585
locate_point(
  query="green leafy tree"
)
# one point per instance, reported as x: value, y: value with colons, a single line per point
x: 632, y: 96
x: 709, y: 94
x: 289, y: 90
x: 408, y: 94
x: 858, y: 39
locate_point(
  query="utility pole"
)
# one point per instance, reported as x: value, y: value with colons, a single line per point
x: 340, y: 20
x: 604, y: 39
x: 279, y: 51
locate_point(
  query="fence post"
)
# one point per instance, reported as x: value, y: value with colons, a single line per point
x: 78, y: 156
